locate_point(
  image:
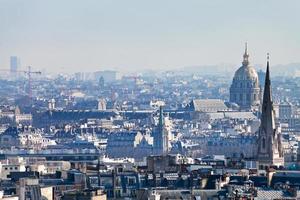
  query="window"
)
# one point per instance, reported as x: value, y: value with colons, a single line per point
x: 131, y: 181
x: 261, y: 167
x: 264, y: 143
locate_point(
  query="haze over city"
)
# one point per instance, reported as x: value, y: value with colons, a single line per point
x: 134, y: 35
x: 149, y: 100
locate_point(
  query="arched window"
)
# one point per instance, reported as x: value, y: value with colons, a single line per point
x: 264, y: 143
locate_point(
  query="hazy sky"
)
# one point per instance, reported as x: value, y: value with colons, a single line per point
x: 89, y: 35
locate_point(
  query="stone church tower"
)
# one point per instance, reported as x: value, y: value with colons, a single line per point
x: 269, y: 137
x: 160, y: 136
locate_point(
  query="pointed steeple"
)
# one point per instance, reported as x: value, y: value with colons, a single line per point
x: 161, y: 117
x: 269, y: 139
x: 160, y: 135
x: 246, y: 48
x: 246, y: 56
x: 267, y: 106
x: 268, y: 70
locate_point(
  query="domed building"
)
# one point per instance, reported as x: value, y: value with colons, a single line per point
x: 245, y: 90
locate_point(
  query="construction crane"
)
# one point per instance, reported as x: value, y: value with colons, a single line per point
x: 28, y: 73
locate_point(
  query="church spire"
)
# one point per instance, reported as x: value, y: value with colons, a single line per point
x: 246, y: 56
x: 269, y: 138
x: 160, y: 135
x: 161, y: 117
x: 267, y: 99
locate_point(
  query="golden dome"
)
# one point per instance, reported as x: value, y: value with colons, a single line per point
x: 246, y: 72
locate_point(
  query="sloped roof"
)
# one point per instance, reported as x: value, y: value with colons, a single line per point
x: 231, y: 115
x: 204, y: 105
x: 273, y: 194
x: 12, y: 131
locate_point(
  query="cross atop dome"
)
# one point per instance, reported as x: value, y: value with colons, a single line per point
x: 246, y: 56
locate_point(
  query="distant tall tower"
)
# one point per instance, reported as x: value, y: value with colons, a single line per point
x: 14, y: 64
x: 269, y: 137
x: 244, y: 89
x: 101, y: 82
x: 160, y: 134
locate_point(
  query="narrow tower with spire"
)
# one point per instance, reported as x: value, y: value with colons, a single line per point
x: 160, y: 136
x: 269, y: 137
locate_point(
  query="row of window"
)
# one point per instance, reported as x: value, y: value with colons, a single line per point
x: 243, y: 84
x: 11, y: 168
x: 242, y: 97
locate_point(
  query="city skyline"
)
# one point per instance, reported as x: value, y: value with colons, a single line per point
x: 112, y: 100
x: 100, y: 35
